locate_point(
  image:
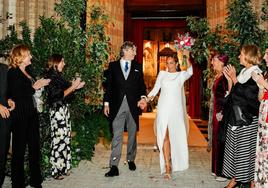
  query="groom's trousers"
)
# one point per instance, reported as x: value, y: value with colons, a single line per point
x: 123, y: 118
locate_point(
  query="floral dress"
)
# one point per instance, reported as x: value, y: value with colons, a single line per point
x: 60, y: 123
x: 261, y: 164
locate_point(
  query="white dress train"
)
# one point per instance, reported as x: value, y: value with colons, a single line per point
x: 171, y: 112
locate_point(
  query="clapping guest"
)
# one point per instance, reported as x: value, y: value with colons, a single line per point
x: 58, y: 90
x: 243, y: 104
x: 24, y: 118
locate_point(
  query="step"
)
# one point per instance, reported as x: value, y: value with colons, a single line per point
x: 202, y: 125
x: 203, y: 129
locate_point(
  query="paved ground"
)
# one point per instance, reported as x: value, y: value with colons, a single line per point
x: 90, y: 174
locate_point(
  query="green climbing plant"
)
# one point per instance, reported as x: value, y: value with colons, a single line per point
x: 85, y: 52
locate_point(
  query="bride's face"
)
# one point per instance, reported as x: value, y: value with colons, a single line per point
x: 171, y: 64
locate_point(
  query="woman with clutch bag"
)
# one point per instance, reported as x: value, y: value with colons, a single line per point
x: 243, y: 108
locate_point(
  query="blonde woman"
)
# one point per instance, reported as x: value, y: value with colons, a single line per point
x: 240, y: 146
x: 24, y: 118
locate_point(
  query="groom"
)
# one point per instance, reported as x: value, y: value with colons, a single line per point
x: 125, y: 94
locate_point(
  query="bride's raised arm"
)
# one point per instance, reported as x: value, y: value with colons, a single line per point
x: 189, y: 72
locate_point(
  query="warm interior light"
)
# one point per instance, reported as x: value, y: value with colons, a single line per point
x: 167, y: 45
x: 147, y: 44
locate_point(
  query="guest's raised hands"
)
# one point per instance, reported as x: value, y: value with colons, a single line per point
x: 225, y: 73
x: 41, y: 83
x: 257, y: 77
x: 78, y: 83
x: 81, y: 85
x: 231, y: 72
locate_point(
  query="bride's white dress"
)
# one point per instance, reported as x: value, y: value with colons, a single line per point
x: 171, y: 114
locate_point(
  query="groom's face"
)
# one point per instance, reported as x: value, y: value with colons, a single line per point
x: 129, y: 53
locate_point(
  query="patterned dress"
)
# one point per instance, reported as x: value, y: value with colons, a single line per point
x: 261, y: 163
x: 60, y: 125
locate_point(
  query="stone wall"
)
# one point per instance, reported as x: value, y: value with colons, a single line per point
x: 25, y: 10
x: 257, y: 4
x: 30, y: 10
x: 115, y: 29
x: 216, y: 11
x: 7, y: 6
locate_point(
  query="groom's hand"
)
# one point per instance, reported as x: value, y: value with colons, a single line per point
x: 106, y: 111
x: 142, y: 103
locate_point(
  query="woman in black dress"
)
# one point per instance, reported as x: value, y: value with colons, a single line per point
x: 24, y: 118
x: 60, y: 123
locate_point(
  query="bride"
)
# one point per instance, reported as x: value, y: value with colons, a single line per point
x: 171, y: 120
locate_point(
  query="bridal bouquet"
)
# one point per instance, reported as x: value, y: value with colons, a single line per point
x: 184, y: 42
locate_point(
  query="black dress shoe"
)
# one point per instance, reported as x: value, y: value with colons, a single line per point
x: 131, y: 165
x: 113, y: 172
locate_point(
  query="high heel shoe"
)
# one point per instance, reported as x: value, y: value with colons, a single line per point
x: 167, y: 174
x: 232, y: 184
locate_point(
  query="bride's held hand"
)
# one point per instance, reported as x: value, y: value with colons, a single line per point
x: 151, y: 98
